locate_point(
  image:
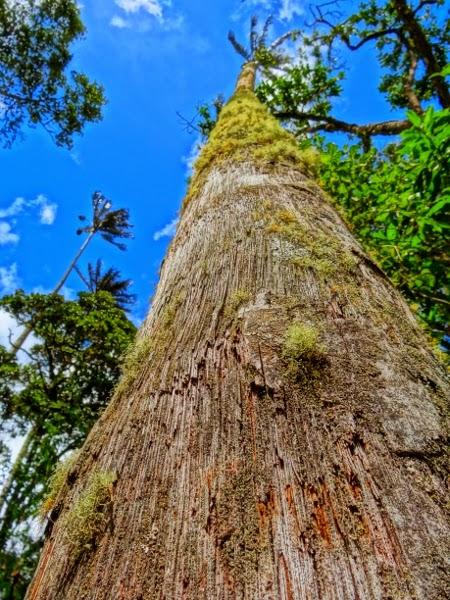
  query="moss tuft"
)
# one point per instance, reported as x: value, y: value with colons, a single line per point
x: 133, y: 362
x: 246, y: 131
x: 56, y: 484
x: 301, y: 343
x: 143, y: 346
x: 89, y: 514
x: 235, y: 301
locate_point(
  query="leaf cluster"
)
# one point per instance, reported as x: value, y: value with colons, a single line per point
x: 71, y: 370
x: 398, y: 202
x: 36, y: 87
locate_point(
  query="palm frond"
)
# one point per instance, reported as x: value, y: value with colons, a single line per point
x: 238, y: 47
x: 253, y: 34
x: 109, y: 281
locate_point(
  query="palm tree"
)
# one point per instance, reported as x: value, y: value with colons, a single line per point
x: 279, y: 429
x: 108, y: 281
x: 110, y: 224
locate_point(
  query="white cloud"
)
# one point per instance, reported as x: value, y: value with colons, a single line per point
x: 167, y: 231
x: 9, y: 281
x: 119, y: 22
x: 289, y: 9
x: 10, y: 330
x: 14, y: 208
x: 192, y: 156
x: 67, y: 292
x: 47, y: 213
x: 152, y: 7
x: 6, y: 234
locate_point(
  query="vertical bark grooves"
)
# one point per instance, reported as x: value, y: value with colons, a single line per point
x: 247, y: 77
x: 251, y: 469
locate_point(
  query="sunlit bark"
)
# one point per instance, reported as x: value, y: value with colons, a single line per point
x: 279, y: 433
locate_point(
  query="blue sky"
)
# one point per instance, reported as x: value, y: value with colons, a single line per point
x: 154, y: 58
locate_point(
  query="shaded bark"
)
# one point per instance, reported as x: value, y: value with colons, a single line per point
x: 245, y: 471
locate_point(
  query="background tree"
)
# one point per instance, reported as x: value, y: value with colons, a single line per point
x: 112, y: 225
x: 398, y: 203
x: 110, y: 281
x: 279, y: 430
x: 67, y: 381
x: 36, y: 88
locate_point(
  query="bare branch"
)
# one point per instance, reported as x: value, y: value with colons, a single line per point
x: 190, y: 125
x: 283, y: 38
x: 326, y: 123
x: 372, y: 36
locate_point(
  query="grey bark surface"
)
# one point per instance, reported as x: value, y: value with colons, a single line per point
x: 239, y: 477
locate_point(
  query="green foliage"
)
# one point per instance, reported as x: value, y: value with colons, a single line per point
x: 36, y: 37
x: 304, y: 87
x: 410, y: 44
x: 70, y: 373
x: 75, y: 361
x: 89, y: 515
x: 398, y: 202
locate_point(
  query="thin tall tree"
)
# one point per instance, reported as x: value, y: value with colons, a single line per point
x: 98, y: 280
x: 279, y: 430
x: 111, y: 224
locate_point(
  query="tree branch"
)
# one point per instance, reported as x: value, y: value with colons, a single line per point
x: 424, y: 49
x: 410, y: 94
x: 327, y: 123
x: 372, y: 36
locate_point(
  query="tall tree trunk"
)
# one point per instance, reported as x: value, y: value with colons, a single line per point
x: 278, y: 433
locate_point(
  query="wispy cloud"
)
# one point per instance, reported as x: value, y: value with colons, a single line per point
x: 167, y: 231
x: 7, y: 236
x: 289, y: 9
x: 14, y: 208
x: 47, y: 215
x: 119, y: 22
x: 9, y: 280
x: 193, y: 154
x: 284, y: 10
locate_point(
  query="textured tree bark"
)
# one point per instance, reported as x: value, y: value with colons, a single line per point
x: 249, y: 466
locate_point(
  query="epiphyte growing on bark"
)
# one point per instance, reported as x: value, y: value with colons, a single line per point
x: 301, y: 344
x: 235, y: 301
x: 247, y: 131
x: 89, y: 515
x: 56, y: 483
